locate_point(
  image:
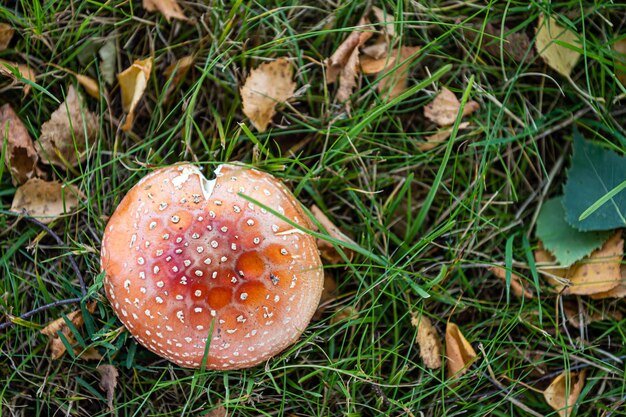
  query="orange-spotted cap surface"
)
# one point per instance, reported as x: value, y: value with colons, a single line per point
x: 191, y: 263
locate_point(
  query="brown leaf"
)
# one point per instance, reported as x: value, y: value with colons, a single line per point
x: 459, y: 353
x: 327, y: 250
x: 64, y: 137
x: 348, y: 77
x: 444, y: 109
x: 515, y: 46
x: 563, y: 392
x: 133, y: 82
x: 573, y: 315
x: 428, y: 340
x: 617, y: 292
x: 168, y: 8
x: 89, y: 354
x: 181, y: 68
x: 8, y: 68
x: 6, y: 34
x: 45, y: 200
x: 328, y: 294
x: 267, y: 85
x: 619, y: 60
x: 218, y: 411
x: 440, y: 137
x: 52, y: 329
x: 21, y: 156
x: 108, y: 382
x: 381, y: 46
x: 344, y: 314
x: 342, y: 54
x: 386, y: 20
x: 559, y: 58
x: 394, y: 69
x: 518, y: 286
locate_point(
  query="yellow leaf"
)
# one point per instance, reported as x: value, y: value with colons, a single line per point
x: 269, y: 84
x: 428, y: 340
x: 619, y: 47
x: 563, y: 392
x: 45, y: 200
x: 6, y: 33
x: 52, y: 329
x: 90, y: 85
x: 108, y: 382
x: 618, y: 291
x: 559, y: 58
x: 65, y: 136
x: 181, y: 67
x: 517, y: 286
x: 444, y: 109
x: 459, y: 353
x: 21, y: 156
x: 168, y: 8
x: 8, y: 68
x: 133, y: 82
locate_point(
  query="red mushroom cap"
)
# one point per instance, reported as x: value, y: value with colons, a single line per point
x: 188, y: 259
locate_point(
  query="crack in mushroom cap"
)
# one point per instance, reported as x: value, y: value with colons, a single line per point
x: 189, y: 262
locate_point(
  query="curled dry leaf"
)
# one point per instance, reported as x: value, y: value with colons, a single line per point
x: 52, y: 330
x: 518, y: 286
x: 619, y: 60
x: 563, y: 392
x: 18, y: 73
x: 392, y: 68
x: 168, y: 8
x: 6, y: 34
x: 342, y: 54
x: 133, y: 82
x: 428, y: 340
x: 65, y: 136
x: 382, y: 44
x: 459, y: 353
x: 267, y: 85
x: 327, y: 250
x: 574, y: 315
x: 21, y: 156
x: 440, y: 137
x: 560, y: 58
x: 179, y: 69
x: 444, y: 109
x: 596, y: 274
x: 108, y: 382
x: 45, y: 200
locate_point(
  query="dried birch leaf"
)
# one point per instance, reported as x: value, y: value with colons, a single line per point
x: 617, y: 292
x: 45, y: 200
x: 563, y: 392
x: 21, y: 156
x: 516, y: 45
x: 342, y: 54
x: 180, y: 68
x: 108, y: 58
x: 559, y: 58
x: 108, y: 382
x: 133, y: 82
x: 90, y: 85
x: 383, y: 41
x: 459, y: 353
x: 440, y: 137
x: 394, y: 69
x: 89, y: 354
x: 619, y: 47
x: 348, y: 77
x: 444, y: 109
x: 6, y: 34
x: 17, y: 72
x: 267, y: 85
x: 327, y: 250
x: 52, y: 329
x: 517, y: 285
x: 428, y: 340
x: 64, y: 137
x: 168, y: 8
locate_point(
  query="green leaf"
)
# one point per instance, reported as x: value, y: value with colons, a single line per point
x: 567, y: 244
x: 594, y: 173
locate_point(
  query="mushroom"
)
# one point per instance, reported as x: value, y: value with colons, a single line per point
x: 191, y: 263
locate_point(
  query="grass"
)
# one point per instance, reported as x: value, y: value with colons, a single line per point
x: 425, y: 222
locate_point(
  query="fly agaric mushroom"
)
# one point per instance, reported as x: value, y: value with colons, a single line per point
x: 191, y: 263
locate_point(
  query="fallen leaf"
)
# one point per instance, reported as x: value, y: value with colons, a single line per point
x: 327, y: 250
x: 517, y: 285
x: 514, y: 46
x: 89, y: 354
x: 18, y: 73
x: 381, y: 46
x: 45, y: 200
x: 558, y: 57
x: 133, y: 82
x: 444, y: 109
x: 179, y: 69
x: 6, y: 34
x: 108, y: 58
x: 342, y: 54
x: 90, y: 85
x: 393, y: 68
x: 65, y: 136
x: 168, y: 8
x: 267, y: 85
x: 108, y: 382
x: 218, y: 411
x: 573, y: 315
x: 618, y: 291
x: 619, y: 60
x: 440, y: 137
x: 386, y: 20
x: 21, y: 156
x: 428, y: 340
x: 52, y: 330
x: 563, y: 392
x: 459, y: 353
x: 344, y: 314
x: 348, y: 78
x: 328, y: 294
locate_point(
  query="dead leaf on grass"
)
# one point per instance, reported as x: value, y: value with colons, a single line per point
x: 89, y: 354
x: 514, y: 46
x: 344, y: 314
x: 218, y: 411
x: 168, y: 8
x: 133, y: 82
x: 440, y: 137
x: 560, y: 58
x: 459, y: 353
x: 6, y: 34
x: 179, y: 69
x: 444, y: 109
x: 518, y: 286
x: 45, y: 200
x: 266, y: 86
x: 619, y: 60
x: 18, y: 73
x: 65, y: 136
x: 618, y: 291
x: 21, y: 156
x: 383, y: 41
x: 342, y: 54
x: 428, y: 340
x: 52, y: 330
x: 327, y: 250
x: 90, y: 85
x: 108, y: 382
x: 108, y: 58
x: 393, y: 69
x: 563, y: 392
